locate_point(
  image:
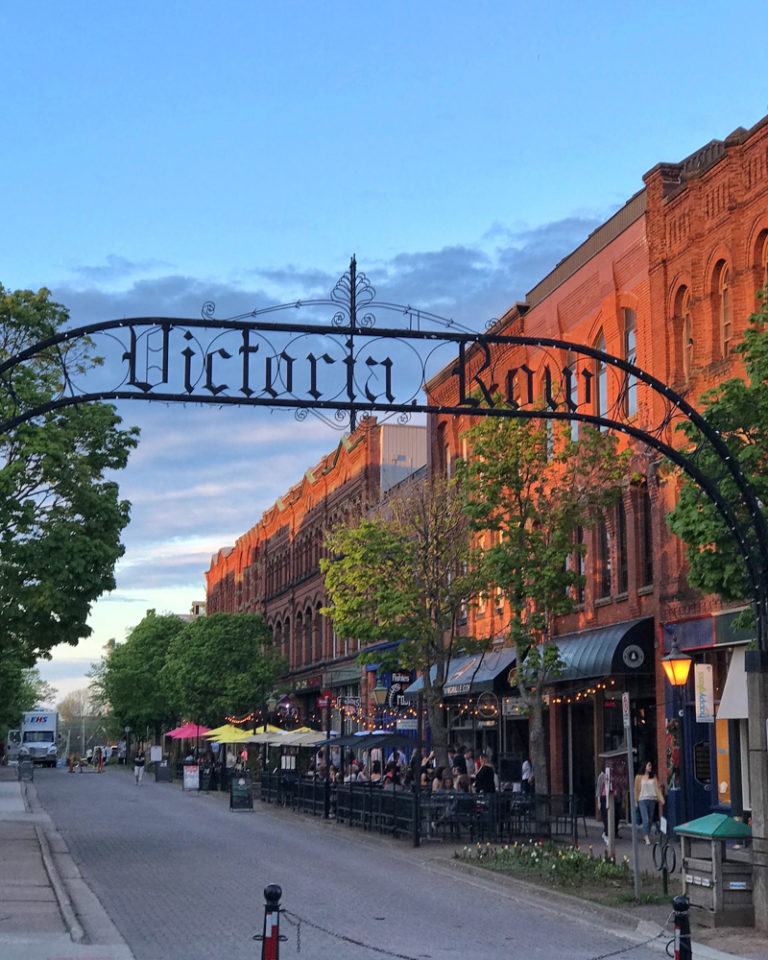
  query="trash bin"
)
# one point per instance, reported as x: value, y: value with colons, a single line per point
x: 717, y: 880
x: 163, y: 772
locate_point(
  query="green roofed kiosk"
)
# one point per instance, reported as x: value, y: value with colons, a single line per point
x: 716, y: 880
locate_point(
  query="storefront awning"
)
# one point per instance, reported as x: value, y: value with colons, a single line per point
x: 622, y: 648
x: 341, y: 676
x: 733, y: 703
x: 469, y: 674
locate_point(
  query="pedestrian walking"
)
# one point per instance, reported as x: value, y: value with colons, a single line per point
x: 138, y: 764
x: 647, y: 795
x: 527, y: 776
x: 98, y: 759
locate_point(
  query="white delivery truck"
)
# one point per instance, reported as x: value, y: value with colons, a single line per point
x: 40, y: 737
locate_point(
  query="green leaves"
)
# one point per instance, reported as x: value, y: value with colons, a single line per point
x: 220, y: 665
x: 526, y: 498
x: 60, y: 513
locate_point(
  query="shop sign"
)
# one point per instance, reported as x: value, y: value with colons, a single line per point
x: 309, y: 683
x: 487, y: 706
x: 625, y: 711
x: 402, y: 677
x: 512, y: 707
x: 456, y: 689
x: 487, y: 723
x: 410, y: 724
x: 348, y: 702
x: 705, y: 694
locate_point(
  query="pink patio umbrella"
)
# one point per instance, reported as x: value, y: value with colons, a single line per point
x: 188, y: 731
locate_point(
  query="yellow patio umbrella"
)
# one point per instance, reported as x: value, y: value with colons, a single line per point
x: 222, y: 732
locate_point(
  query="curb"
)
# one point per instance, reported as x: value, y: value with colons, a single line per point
x: 76, y: 932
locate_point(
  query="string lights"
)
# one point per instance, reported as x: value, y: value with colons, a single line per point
x: 586, y: 694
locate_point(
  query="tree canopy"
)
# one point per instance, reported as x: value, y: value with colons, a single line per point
x: 527, y: 492
x: 406, y: 576
x: 22, y: 689
x: 221, y: 665
x: 130, y: 678
x: 60, y: 512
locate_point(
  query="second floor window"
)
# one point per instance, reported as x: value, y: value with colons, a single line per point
x: 630, y: 355
x: 600, y: 382
x: 622, y: 571
x: 646, y: 567
x: 723, y: 303
x: 603, y: 559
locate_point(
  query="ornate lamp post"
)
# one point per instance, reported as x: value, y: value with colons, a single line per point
x: 677, y: 666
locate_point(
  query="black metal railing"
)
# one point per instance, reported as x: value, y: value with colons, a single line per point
x: 452, y: 816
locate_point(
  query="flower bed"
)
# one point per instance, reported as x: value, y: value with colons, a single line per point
x: 548, y: 862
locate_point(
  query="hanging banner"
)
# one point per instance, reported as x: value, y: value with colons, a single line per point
x: 705, y: 693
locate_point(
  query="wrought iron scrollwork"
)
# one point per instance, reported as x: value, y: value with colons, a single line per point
x: 351, y: 365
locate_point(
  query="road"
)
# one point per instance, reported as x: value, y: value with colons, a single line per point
x: 182, y: 877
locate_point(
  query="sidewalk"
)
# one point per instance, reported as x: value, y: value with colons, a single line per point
x: 745, y: 942
x: 46, y: 910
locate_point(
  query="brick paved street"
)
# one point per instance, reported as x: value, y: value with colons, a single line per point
x: 182, y: 877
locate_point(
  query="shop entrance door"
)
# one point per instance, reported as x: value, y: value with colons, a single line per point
x: 701, y: 795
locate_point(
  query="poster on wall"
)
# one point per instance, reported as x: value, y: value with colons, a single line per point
x: 705, y: 693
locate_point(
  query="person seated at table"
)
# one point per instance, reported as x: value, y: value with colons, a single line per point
x: 333, y: 774
x: 425, y: 780
x: 375, y: 771
x: 362, y: 774
x: 392, y: 775
x: 437, y: 780
x: 462, y: 783
x: 446, y: 784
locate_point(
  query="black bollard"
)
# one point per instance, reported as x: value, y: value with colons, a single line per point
x: 270, y: 941
x: 683, y: 951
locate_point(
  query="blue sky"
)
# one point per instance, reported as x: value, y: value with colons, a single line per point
x: 156, y: 155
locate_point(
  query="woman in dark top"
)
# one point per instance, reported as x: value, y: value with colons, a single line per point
x: 485, y: 781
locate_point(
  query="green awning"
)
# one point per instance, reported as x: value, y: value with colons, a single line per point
x: 621, y: 648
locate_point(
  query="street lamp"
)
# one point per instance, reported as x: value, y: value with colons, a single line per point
x: 380, y: 693
x: 677, y: 666
x: 127, y: 731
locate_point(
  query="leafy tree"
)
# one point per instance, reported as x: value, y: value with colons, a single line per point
x: 220, y: 665
x: 60, y: 517
x: 531, y: 491
x: 21, y: 688
x: 75, y: 705
x: 405, y: 576
x: 130, y: 677
x: 738, y: 409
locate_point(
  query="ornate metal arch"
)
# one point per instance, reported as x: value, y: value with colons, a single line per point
x: 346, y: 365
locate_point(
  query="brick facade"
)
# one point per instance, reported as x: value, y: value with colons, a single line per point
x: 273, y: 569
x: 683, y: 259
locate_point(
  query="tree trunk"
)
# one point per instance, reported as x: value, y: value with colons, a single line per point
x: 537, y: 743
x: 438, y: 727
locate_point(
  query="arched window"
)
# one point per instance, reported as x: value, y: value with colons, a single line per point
x: 630, y: 355
x: 761, y: 262
x: 723, y: 315
x: 572, y: 386
x: 308, y: 652
x: 289, y: 653
x: 601, y: 381
x: 684, y: 327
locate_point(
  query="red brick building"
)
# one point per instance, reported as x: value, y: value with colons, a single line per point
x: 273, y: 569
x: 669, y: 280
